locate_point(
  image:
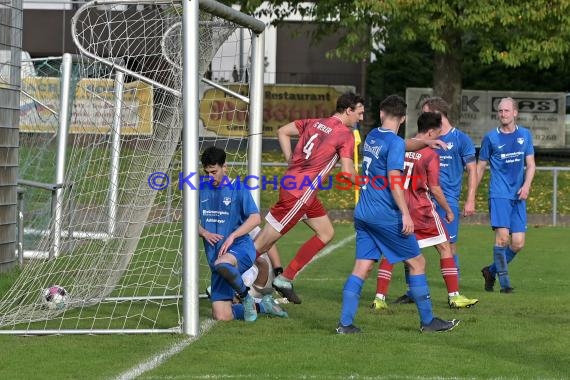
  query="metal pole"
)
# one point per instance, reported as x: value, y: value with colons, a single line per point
x: 190, y: 99
x: 64, y: 118
x: 555, y: 197
x: 256, y: 112
x: 241, y: 76
x: 20, y: 220
x: 115, y: 152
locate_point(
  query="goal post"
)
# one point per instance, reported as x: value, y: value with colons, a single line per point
x: 190, y: 131
x: 136, y: 110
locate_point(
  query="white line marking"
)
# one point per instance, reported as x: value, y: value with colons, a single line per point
x: 161, y: 357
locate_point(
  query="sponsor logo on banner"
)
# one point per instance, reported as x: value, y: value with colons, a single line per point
x: 543, y: 113
x: 224, y: 115
x: 92, y: 107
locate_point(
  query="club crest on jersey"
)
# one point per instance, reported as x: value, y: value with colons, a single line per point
x: 449, y: 145
x: 227, y: 201
x: 520, y: 140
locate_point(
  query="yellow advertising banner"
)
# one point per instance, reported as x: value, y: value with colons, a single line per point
x: 227, y: 116
x: 93, y: 106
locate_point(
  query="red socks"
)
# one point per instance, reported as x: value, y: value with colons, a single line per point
x: 384, y: 277
x: 449, y: 273
x: 303, y: 256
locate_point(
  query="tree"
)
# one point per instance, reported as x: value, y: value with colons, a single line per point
x: 511, y: 33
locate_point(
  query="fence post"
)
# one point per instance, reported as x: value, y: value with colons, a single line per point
x: 554, y: 196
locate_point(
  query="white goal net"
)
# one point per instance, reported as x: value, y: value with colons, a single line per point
x: 113, y: 236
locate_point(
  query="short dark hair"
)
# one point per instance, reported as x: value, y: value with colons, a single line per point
x: 213, y: 156
x: 394, y: 105
x: 436, y: 104
x: 348, y: 100
x: 428, y: 120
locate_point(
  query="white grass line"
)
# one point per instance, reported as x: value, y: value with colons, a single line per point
x: 161, y: 357
x: 329, y: 249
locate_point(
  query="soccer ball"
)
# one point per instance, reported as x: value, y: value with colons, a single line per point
x: 55, y: 297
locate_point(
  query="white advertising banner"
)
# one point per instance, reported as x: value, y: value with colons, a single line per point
x: 544, y: 113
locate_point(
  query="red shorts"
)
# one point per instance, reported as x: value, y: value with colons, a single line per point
x: 429, y: 228
x: 289, y: 210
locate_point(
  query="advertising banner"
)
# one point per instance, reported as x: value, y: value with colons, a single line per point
x: 224, y: 115
x: 93, y: 106
x: 544, y: 113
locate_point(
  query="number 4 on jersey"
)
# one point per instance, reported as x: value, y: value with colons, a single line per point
x: 308, y: 148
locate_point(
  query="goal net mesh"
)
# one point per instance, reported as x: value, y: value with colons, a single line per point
x: 119, y: 250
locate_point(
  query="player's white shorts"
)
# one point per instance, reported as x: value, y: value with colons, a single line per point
x: 250, y: 276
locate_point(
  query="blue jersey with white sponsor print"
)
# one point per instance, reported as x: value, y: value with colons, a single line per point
x: 460, y: 151
x: 383, y: 151
x: 506, y: 153
x: 222, y: 211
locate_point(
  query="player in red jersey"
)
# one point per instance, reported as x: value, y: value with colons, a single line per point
x: 422, y: 182
x: 322, y: 143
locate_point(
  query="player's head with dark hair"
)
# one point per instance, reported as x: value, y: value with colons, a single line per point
x: 348, y: 100
x: 214, y: 164
x: 213, y: 156
x: 429, y: 121
x: 350, y: 108
x: 393, y: 105
x: 435, y: 104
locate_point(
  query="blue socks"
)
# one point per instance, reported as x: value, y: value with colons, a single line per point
x: 233, y: 277
x: 501, y: 267
x: 420, y: 293
x: 350, y: 298
x: 238, y: 311
x: 509, y: 254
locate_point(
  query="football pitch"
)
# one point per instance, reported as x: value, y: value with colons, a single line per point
x: 506, y: 336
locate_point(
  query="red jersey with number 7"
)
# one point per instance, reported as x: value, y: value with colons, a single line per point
x: 422, y: 171
x: 322, y: 142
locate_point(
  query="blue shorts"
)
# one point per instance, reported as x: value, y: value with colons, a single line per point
x: 453, y: 227
x: 374, y: 240
x: 508, y: 213
x: 245, y: 255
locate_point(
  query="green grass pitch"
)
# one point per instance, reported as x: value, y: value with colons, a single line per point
x: 518, y: 336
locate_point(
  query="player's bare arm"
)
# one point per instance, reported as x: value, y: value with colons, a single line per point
x: 347, y: 169
x: 440, y: 198
x: 414, y: 144
x: 398, y: 194
x: 524, y: 191
x: 250, y: 223
x: 481, y: 166
x: 211, y: 237
x: 284, y: 135
x: 469, y: 207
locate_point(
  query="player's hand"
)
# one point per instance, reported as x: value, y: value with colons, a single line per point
x: 436, y: 144
x: 469, y: 208
x: 227, y: 244
x: 523, y: 192
x: 407, y: 225
x: 449, y: 216
x: 212, y: 238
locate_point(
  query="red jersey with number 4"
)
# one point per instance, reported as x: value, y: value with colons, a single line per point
x: 322, y: 142
x: 422, y: 168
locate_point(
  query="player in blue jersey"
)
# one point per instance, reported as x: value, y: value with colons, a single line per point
x: 227, y: 214
x: 459, y: 156
x: 507, y: 149
x: 383, y: 223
